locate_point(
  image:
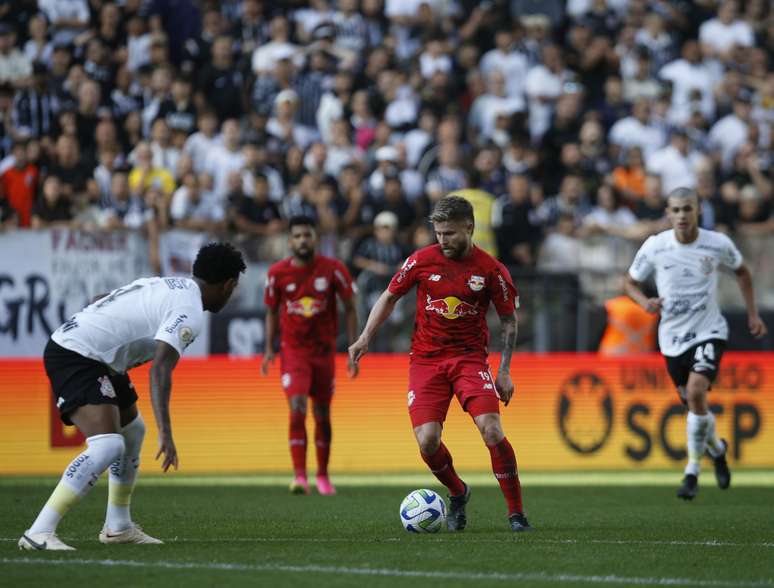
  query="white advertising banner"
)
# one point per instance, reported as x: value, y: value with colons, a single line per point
x: 47, y: 276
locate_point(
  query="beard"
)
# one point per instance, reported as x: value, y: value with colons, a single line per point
x: 304, y: 254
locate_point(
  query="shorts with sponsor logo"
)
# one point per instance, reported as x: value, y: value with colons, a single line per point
x: 77, y: 381
x: 703, y: 358
x: 433, y: 382
x: 308, y: 375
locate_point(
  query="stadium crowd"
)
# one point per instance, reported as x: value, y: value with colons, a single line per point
x: 561, y: 121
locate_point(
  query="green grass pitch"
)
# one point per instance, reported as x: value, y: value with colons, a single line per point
x: 626, y: 529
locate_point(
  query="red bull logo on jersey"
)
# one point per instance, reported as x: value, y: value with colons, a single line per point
x: 306, y: 306
x: 451, y: 307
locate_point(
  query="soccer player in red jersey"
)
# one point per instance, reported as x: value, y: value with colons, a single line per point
x: 456, y: 281
x: 301, y: 301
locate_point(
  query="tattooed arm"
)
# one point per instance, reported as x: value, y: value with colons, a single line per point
x: 503, y: 382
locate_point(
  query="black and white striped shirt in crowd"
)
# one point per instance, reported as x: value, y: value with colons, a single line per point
x: 447, y: 179
x: 351, y: 31
x: 34, y: 112
x: 390, y: 254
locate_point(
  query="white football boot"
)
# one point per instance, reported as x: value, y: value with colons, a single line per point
x: 43, y: 542
x: 132, y: 534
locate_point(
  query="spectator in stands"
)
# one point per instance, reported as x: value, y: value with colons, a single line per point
x: 220, y: 83
x: 561, y: 250
x: 34, y: 108
x: 52, y: 208
x: 637, y: 130
x: 15, y: 67
x: 675, y: 163
x: 178, y: 111
x: 720, y: 36
x: 653, y: 204
x: 19, y: 182
x: 730, y: 132
x: 571, y: 201
x: 629, y: 177
x: 517, y: 237
x: 145, y: 176
x: 610, y: 211
x: 225, y: 158
x: 191, y: 209
x: 204, y: 141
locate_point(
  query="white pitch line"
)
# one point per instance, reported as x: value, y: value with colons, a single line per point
x: 397, y: 573
x: 468, y: 539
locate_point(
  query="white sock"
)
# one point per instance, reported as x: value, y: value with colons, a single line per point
x: 697, y: 431
x: 714, y: 444
x: 123, y: 476
x: 78, y: 479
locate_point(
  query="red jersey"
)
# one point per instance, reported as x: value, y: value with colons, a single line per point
x: 306, y: 299
x: 19, y: 186
x: 453, y: 296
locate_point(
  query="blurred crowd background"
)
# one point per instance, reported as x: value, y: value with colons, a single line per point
x: 564, y: 122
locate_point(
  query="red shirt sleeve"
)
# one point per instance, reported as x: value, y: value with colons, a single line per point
x: 505, y: 296
x: 406, y: 276
x: 342, y: 281
x: 270, y: 294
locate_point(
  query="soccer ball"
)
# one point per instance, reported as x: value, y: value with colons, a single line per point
x: 423, y: 511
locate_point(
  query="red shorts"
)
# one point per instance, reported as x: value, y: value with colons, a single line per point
x: 433, y: 382
x: 307, y: 375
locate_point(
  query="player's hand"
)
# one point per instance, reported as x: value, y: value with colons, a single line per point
x: 757, y: 326
x: 353, y: 369
x: 654, y: 304
x: 357, y: 350
x: 504, y: 387
x: 168, y: 450
x: 268, y: 360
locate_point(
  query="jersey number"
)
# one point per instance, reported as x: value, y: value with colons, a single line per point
x: 707, y: 351
x: 116, y: 293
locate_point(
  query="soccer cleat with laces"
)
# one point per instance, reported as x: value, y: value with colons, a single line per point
x: 689, y: 488
x: 456, y: 518
x: 132, y: 534
x: 519, y: 523
x: 43, y: 542
x: 299, y: 485
x: 324, y: 486
x: 722, y: 473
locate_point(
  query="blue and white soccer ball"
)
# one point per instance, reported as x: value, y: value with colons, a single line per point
x: 423, y: 511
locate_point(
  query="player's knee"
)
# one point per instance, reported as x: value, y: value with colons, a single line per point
x: 429, y: 442
x: 322, y: 412
x: 134, y: 432
x: 106, y: 448
x: 491, y: 431
x: 298, y: 404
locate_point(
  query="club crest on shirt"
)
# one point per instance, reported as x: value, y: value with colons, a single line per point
x: 476, y: 283
x: 706, y: 265
x: 106, y: 387
x: 411, y: 397
x: 290, y: 287
x: 285, y: 380
x: 321, y: 284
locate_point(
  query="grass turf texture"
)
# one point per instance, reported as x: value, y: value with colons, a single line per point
x: 250, y: 531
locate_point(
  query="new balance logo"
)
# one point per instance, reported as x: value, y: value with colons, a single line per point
x: 434, y: 278
x: 669, y: 267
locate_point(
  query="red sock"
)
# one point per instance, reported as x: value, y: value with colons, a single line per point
x: 440, y: 463
x: 297, y: 440
x: 507, y: 474
x: 322, y: 441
